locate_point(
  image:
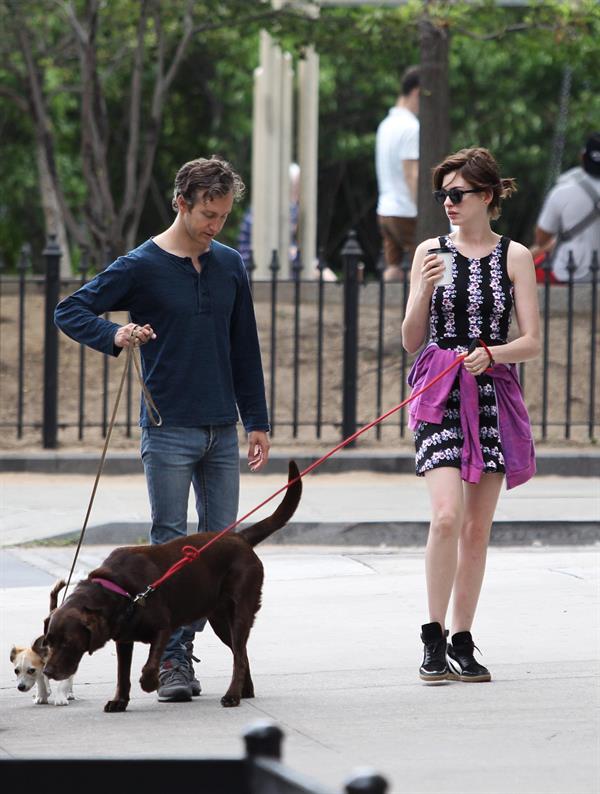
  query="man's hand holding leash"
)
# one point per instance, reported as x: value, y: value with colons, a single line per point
x: 139, y: 333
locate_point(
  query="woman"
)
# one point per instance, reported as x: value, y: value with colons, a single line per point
x: 471, y: 428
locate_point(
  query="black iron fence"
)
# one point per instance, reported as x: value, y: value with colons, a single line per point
x: 332, y: 354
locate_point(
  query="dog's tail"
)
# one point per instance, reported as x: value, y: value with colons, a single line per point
x: 54, y: 594
x: 261, y: 530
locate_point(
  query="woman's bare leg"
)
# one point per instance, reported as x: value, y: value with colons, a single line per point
x: 480, y: 502
x: 446, y: 497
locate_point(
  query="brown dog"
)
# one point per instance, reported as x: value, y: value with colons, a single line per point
x: 223, y: 584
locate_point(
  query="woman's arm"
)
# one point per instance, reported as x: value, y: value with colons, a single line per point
x: 426, y: 269
x: 521, y: 272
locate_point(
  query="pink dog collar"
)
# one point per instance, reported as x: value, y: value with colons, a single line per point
x: 108, y: 585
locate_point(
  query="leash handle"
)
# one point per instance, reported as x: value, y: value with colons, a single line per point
x: 475, y: 344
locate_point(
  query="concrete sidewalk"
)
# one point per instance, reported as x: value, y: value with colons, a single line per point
x: 363, y: 508
x: 334, y: 653
x: 335, y: 649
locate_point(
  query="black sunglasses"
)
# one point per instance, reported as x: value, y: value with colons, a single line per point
x: 455, y: 194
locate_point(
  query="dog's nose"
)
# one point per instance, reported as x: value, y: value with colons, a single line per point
x: 22, y: 688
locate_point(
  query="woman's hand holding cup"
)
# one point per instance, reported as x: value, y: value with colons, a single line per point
x: 436, y: 270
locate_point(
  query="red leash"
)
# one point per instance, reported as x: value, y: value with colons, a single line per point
x: 191, y: 553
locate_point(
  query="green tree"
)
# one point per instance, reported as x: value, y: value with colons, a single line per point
x: 97, y: 78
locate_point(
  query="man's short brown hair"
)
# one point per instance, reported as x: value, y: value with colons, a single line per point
x: 212, y: 178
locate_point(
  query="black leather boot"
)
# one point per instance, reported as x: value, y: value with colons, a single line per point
x: 462, y: 662
x: 435, y: 666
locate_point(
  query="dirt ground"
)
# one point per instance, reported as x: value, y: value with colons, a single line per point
x: 302, y: 391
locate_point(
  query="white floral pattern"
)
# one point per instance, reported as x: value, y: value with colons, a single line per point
x: 478, y: 302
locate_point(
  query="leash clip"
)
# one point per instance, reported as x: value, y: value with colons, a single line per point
x: 140, y: 597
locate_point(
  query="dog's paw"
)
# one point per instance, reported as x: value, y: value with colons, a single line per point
x: 40, y: 701
x: 229, y: 700
x: 115, y: 705
x: 149, y: 680
x: 60, y: 700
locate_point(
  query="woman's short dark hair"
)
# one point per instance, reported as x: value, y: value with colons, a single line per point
x: 480, y: 169
x: 211, y: 178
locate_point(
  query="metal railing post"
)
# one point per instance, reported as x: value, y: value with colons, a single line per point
x: 380, y: 267
x: 321, y: 265
x: 51, y: 256
x: 406, y: 266
x: 83, y: 268
x: 274, y: 268
x: 23, y: 266
x: 351, y: 255
x: 594, y: 268
x: 571, y: 268
x: 297, y: 280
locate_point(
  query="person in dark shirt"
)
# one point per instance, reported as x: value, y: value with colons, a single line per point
x: 190, y: 305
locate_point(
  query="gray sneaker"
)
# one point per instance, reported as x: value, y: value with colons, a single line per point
x: 174, y: 682
x: 194, y: 683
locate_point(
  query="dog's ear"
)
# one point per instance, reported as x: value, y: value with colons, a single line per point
x: 40, y: 648
x: 58, y: 586
x: 97, y: 627
x: 46, y: 622
x: 14, y: 651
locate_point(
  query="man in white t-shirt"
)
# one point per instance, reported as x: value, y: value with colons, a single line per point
x: 397, y: 166
x: 570, y: 218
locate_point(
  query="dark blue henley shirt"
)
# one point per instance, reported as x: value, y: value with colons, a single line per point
x: 206, y: 357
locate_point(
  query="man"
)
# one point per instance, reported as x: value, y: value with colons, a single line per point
x: 190, y: 304
x: 570, y: 218
x: 397, y: 166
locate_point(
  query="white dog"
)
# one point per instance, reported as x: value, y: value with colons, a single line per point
x: 29, y: 664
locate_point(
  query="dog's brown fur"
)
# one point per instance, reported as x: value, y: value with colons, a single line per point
x: 223, y: 584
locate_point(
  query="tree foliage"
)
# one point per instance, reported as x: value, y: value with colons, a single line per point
x: 115, y: 122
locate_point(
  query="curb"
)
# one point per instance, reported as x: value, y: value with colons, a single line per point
x: 365, y: 533
x: 584, y: 463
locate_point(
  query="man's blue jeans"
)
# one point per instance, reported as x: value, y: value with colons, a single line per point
x: 175, y: 458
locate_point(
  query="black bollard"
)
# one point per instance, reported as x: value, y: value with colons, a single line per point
x: 263, y: 739
x: 366, y: 782
x: 51, y: 256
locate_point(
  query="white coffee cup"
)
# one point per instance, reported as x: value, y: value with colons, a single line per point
x: 446, y: 254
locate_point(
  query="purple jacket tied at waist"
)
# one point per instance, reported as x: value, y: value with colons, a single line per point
x: 513, y: 420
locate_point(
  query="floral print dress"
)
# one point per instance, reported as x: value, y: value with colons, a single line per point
x: 476, y: 305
